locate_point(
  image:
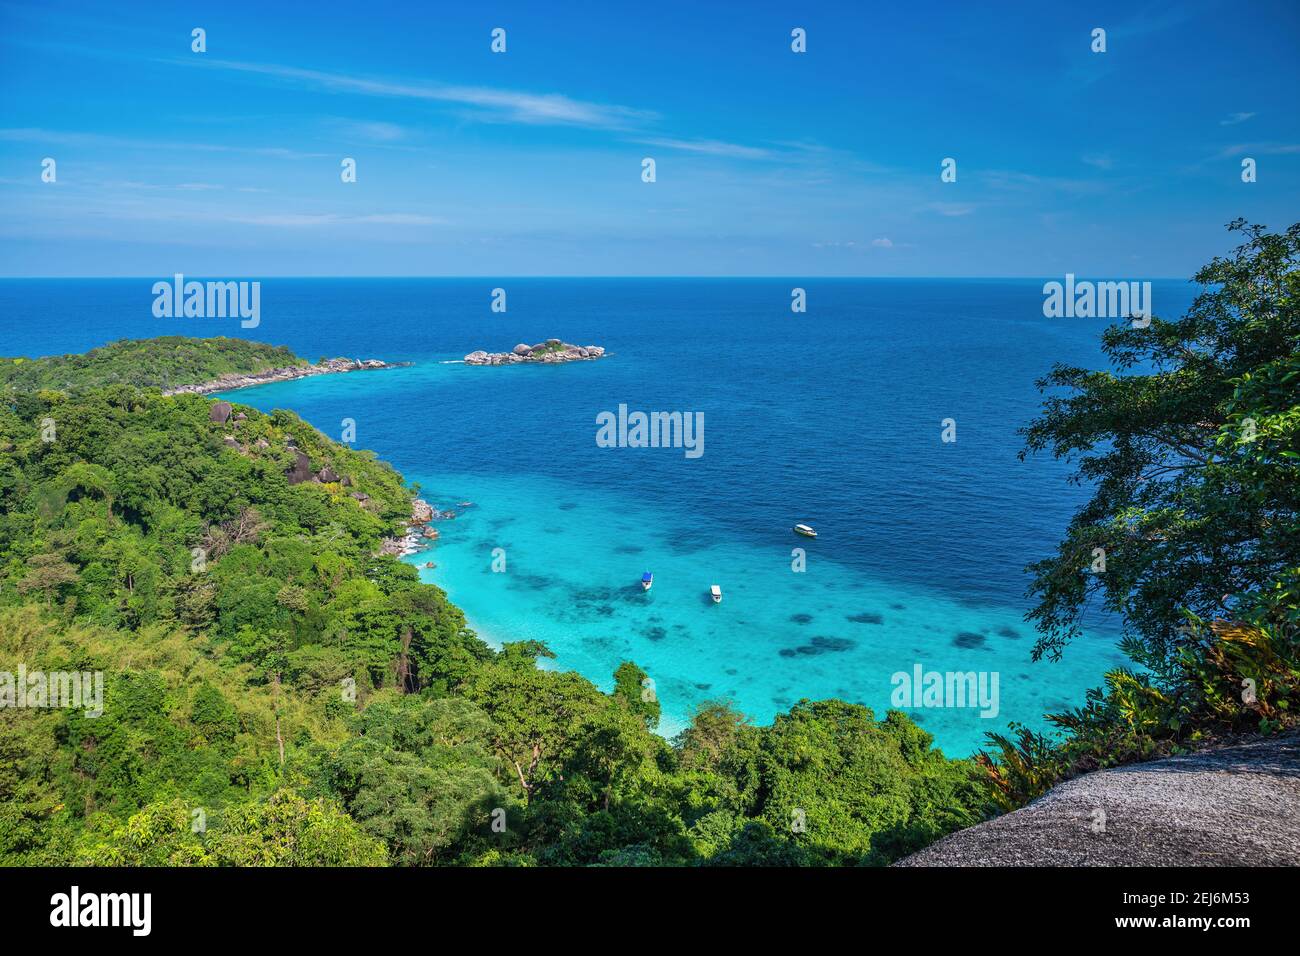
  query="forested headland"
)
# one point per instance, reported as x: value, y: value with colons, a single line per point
x: 165, y: 362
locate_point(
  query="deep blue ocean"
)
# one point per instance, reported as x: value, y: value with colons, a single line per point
x: 831, y: 417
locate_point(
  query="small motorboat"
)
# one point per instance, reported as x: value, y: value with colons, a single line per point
x: 715, y: 592
x: 647, y: 579
x: 805, y: 530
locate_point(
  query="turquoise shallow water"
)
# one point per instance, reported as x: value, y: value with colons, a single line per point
x: 830, y: 417
x: 574, y: 559
x: 575, y: 551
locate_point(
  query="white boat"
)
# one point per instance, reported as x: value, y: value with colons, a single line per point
x: 716, y: 593
x: 647, y: 579
x: 805, y: 530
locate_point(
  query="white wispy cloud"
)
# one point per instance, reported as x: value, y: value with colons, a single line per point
x: 1012, y: 180
x: 709, y: 147
x: 494, y: 104
x: 89, y: 201
x: 1235, y: 118
x: 309, y: 220
x: 1267, y: 149
x: 374, y: 131
x: 518, y: 106
x: 1099, y: 160
x: 50, y: 137
x: 951, y: 208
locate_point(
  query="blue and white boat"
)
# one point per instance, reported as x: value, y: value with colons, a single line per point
x: 647, y: 579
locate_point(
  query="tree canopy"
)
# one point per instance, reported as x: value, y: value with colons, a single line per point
x: 164, y: 362
x: 1191, y: 443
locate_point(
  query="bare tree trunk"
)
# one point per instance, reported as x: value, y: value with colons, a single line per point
x: 528, y: 787
x: 404, y: 663
x: 278, y: 738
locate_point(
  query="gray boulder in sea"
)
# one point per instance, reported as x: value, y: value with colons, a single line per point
x: 550, y: 352
x: 1229, y: 806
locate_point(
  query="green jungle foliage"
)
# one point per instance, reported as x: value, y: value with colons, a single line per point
x: 163, y: 362
x: 1192, y: 444
x: 277, y: 692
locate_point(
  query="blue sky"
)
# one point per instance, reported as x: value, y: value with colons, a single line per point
x: 226, y: 163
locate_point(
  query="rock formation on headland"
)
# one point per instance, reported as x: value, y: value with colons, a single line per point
x: 418, y: 533
x: 234, y: 380
x: 551, y: 351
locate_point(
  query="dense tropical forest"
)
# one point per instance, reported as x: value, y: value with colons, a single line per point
x: 278, y: 692
x: 164, y: 363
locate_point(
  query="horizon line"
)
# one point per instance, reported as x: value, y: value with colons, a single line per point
x: 803, y: 278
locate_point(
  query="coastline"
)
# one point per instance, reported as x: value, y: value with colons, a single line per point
x: 578, y: 543
x: 576, y: 553
x: 670, y: 724
x: 233, y: 381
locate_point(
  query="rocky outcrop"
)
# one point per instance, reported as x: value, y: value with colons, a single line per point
x: 220, y: 412
x: 301, y: 470
x: 550, y: 352
x: 297, y: 473
x: 234, y: 380
x: 1230, y: 806
x: 395, y: 547
x: 418, y: 533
